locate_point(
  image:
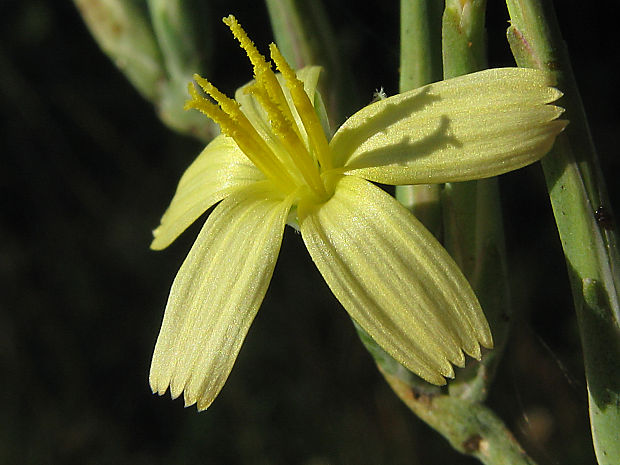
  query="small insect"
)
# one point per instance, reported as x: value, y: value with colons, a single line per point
x: 378, y: 95
x: 603, y: 218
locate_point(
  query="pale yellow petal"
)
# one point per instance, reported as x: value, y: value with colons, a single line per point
x: 394, y: 279
x: 216, y: 295
x: 219, y: 170
x: 470, y: 127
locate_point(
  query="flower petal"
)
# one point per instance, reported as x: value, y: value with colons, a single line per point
x: 470, y: 127
x: 216, y: 295
x: 394, y: 279
x: 219, y: 170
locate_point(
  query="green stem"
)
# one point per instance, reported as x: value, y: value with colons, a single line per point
x: 420, y: 43
x: 473, y: 228
x: 420, y: 64
x: 577, y: 192
x: 470, y: 427
x: 463, y: 37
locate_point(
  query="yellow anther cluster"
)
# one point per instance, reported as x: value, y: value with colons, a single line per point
x: 305, y: 108
x: 234, y: 124
x: 291, y: 162
x: 262, y: 69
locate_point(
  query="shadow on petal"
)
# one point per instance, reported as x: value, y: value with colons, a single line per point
x: 356, y: 131
x: 407, y: 150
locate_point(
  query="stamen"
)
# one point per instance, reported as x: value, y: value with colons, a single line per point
x: 306, y: 111
x: 263, y: 73
x: 235, y: 124
x: 283, y: 128
x: 258, y: 60
x: 292, y: 165
x: 227, y: 104
x: 209, y: 109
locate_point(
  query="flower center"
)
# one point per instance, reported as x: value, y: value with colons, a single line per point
x: 294, y: 155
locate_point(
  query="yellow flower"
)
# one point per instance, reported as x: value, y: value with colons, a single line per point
x: 274, y: 165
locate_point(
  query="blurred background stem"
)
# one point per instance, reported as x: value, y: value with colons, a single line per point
x: 181, y: 29
x: 304, y: 36
x: 584, y: 219
x: 123, y: 31
x: 158, y: 45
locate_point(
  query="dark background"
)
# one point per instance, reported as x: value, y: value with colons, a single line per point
x: 86, y: 170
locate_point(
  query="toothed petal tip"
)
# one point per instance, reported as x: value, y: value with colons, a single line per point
x: 188, y: 400
x: 460, y: 360
x: 447, y: 370
x: 176, y: 390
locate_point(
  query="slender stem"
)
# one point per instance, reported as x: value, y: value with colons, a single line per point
x: 583, y: 216
x: 463, y: 37
x: 420, y: 64
x: 420, y: 43
x: 473, y: 228
x: 470, y: 427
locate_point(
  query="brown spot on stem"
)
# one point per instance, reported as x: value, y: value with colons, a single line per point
x: 472, y: 444
x: 603, y: 218
x: 421, y: 397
